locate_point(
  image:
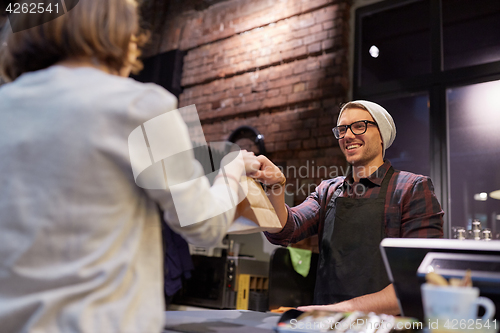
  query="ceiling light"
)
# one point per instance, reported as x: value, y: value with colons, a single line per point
x: 374, y: 51
x: 483, y: 196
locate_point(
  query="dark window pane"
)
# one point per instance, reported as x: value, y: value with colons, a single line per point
x: 410, y: 150
x: 471, y: 32
x: 402, y: 37
x: 474, y: 131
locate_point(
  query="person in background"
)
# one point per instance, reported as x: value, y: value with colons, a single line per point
x: 80, y: 242
x: 352, y: 214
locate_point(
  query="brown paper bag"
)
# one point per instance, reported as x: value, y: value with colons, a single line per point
x: 255, y: 213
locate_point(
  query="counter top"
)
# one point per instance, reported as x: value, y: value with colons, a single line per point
x: 220, y: 321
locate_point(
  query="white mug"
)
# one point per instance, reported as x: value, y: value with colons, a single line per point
x: 455, y: 308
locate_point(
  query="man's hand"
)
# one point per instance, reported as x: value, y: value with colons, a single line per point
x: 337, y: 307
x: 252, y: 164
x: 384, y: 301
x: 239, y: 163
x: 268, y: 172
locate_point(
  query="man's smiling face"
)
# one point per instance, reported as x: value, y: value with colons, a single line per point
x: 364, y: 149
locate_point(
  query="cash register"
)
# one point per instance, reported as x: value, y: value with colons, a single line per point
x: 408, y: 260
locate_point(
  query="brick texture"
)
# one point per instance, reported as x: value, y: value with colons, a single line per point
x: 284, y: 41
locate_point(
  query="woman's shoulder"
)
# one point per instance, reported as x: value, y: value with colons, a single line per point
x: 136, y: 90
x: 118, y: 93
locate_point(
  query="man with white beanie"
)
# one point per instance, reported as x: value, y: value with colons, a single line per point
x: 352, y: 214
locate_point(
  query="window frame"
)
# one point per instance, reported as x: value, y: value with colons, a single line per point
x: 434, y: 83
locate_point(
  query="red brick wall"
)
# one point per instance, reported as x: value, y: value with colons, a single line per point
x: 279, y: 66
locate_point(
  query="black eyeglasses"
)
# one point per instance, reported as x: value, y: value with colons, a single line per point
x: 357, y: 128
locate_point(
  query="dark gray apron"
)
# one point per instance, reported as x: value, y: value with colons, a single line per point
x: 350, y: 263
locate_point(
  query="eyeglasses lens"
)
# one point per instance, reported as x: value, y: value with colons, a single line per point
x: 358, y: 127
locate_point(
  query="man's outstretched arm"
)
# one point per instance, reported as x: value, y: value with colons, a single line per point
x: 270, y: 174
x: 384, y: 301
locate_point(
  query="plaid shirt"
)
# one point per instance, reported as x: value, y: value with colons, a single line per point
x: 411, y: 207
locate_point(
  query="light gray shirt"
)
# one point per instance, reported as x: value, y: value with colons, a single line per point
x: 80, y: 242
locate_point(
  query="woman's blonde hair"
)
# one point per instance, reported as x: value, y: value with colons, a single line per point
x: 99, y: 30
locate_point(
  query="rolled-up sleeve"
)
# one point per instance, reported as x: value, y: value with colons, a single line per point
x: 303, y: 220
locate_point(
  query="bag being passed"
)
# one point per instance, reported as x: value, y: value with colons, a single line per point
x: 255, y: 213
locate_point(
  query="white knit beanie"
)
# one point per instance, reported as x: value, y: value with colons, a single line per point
x: 383, y: 119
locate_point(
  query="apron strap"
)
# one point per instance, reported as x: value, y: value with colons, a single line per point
x: 385, y: 183
x: 326, y: 199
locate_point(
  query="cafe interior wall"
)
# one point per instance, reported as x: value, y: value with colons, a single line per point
x: 279, y: 66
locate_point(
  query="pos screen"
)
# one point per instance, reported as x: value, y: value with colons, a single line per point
x: 407, y: 260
